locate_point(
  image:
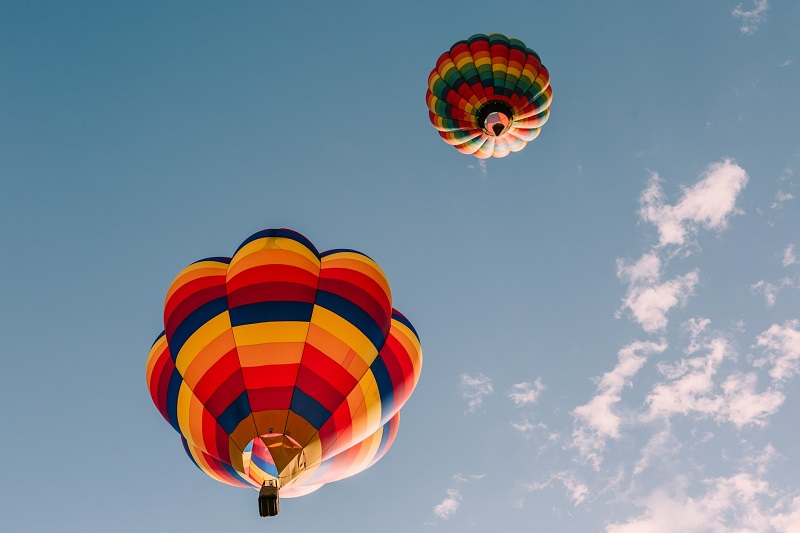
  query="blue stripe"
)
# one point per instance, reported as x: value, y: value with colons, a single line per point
x: 159, y: 336
x: 385, y: 387
x: 186, y: 449
x: 337, y: 250
x: 403, y: 320
x: 238, y: 410
x: 281, y: 232
x: 269, y: 468
x: 233, y: 472
x: 353, y: 314
x: 173, y: 389
x: 194, y: 321
x: 384, y: 440
x: 271, y: 312
x: 309, y: 408
x: 223, y: 260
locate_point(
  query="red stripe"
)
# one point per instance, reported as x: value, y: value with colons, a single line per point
x: 380, y: 311
x: 167, y: 366
x: 215, y: 377
x: 270, y: 398
x: 258, y: 377
x: 271, y: 272
x: 319, y: 389
x: 322, y: 365
x: 189, y: 288
x: 225, y: 394
x: 271, y: 291
x: 191, y: 303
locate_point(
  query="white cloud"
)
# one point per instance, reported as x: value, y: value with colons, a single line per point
x: 782, y: 347
x: 691, y: 390
x: 651, y: 304
x: 752, y: 18
x: 526, y: 393
x: 788, y: 522
x: 474, y: 389
x: 742, y: 405
x: 788, y: 256
x: 449, y: 505
x: 596, y: 421
x: 695, y: 326
x: 742, y: 502
x: 708, y: 204
x: 648, y: 300
x: 690, y: 384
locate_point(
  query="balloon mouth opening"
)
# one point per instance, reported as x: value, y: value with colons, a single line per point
x: 495, y: 118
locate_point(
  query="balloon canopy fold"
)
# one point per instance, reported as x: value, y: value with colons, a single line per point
x: 489, y: 95
x: 283, y: 363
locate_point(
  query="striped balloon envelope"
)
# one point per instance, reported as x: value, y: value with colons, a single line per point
x: 282, y: 364
x: 489, y: 95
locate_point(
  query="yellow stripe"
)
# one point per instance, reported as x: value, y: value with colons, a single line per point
x: 269, y: 332
x: 361, y: 264
x: 206, y: 334
x: 346, y: 332
x: 193, y: 272
x: 273, y: 257
x: 208, y: 355
x: 276, y: 353
x: 269, y: 243
x: 152, y: 358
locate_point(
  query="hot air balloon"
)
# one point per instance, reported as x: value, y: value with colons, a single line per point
x: 489, y: 95
x: 283, y: 368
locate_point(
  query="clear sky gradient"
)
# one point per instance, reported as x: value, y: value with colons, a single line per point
x: 610, y: 318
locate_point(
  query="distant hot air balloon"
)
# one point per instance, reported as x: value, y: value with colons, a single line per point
x: 489, y: 95
x: 283, y: 368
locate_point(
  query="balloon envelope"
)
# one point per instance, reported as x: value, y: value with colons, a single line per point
x: 489, y: 95
x: 283, y: 364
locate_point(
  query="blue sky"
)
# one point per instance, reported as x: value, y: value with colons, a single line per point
x: 610, y: 318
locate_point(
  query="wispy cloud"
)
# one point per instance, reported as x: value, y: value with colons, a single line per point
x: 771, y: 290
x: 526, y: 393
x: 596, y: 421
x: 527, y: 428
x: 752, y: 18
x: 474, y: 389
x: 708, y: 204
x: 466, y: 478
x: 577, y: 491
x: 660, y: 445
x: 449, y: 506
x: 788, y: 256
x: 781, y: 197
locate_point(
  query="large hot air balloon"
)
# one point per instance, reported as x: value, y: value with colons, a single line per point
x: 489, y: 95
x: 283, y: 368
